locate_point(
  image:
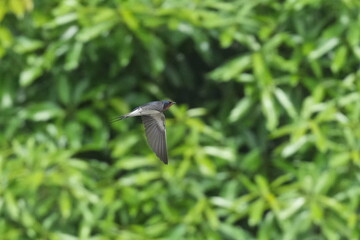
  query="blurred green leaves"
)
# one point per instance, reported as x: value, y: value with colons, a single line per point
x: 263, y: 143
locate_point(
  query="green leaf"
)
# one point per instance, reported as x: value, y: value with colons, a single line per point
x: 65, y: 19
x: 339, y: 59
x: 196, y: 112
x: 293, y: 208
x: 324, y: 48
x: 261, y: 70
x: 319, y: 137
x: 63, y: 90
x: 73, y: 57
x: 317, y: 212
x: 129, y: 19
x: 24, y: 45
x: 221, y: 152
x: 284, y: 100
x: 65, y: 205
x: 353, y: 34
x: 295, y: 146
x: 17, y: 7
x: 29, y: 75
x: 256, y: 211
x: 206, y: 166
x: 241, y: 108
x: 340, y: 159
x: 126, y: 50
x: 140, y: 179
x: 11, y: 205
x: 3, y: 10
x: 262, y: 184
x: 269, y: 110
x: 232, y: 69
x: 43, y: 111
x: 212, y: 218
x: 88, y: 33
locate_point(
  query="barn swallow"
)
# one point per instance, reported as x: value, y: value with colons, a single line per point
x: 154, y: 121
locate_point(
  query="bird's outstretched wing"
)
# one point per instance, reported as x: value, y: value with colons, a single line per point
x: 156, y: 134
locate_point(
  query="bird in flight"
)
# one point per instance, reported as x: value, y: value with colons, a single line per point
x: 154, y: 121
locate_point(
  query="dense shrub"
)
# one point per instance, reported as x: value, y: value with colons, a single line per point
x: 263, y: 143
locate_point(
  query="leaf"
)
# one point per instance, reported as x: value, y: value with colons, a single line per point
x: 79, y: 91
x: 316, y: 68
x: 133, y: 163
x: 324, y: 182
x: 11, y: 206
x: 349, y: 99
x: 261, y: 70
x: 63, y: 90
x: 295, y: 146
x: 24, y: 45
x: 221, y: 152
x: 65, y: 205
x: 212, y: 218
x: 269, y: 110
x: 126, y: 50
x: 324, y: 48
x: 89, y: 118
x: 70, y: 32
x: 66, y: 18
x: 129, y: 19
x: 320, y: 140
x: 286, y: 103
x: 29, y: 75
x: 43, y: 111
x: 227, y: 37
x: 195, y: 213
x: 196, y: 112
x: 231, y: 69
x: 139, y: 179
x: 206, y: 166
x: 353, y: 34
x: 293, y: 207
x: 221, y: 202
x: 317, y: 212
x: 256, y: 211
x: 88, y: 33
x: 262, y: 184
x: 17, y: 7
x: 252, y: 161
x: 241, y: 108
x: 339, y: 59
x: 3, y: 10
x: 73, y: 57
x: 232, y: 230
x: 250, y: 186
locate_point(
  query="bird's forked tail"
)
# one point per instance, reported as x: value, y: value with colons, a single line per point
x: 119, y: 118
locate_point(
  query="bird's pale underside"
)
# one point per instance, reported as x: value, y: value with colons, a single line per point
x: 154, y: 121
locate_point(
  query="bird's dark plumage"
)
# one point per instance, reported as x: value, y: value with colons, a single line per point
x: 154, y: 121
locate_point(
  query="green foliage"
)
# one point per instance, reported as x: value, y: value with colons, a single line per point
x: 264, y: 142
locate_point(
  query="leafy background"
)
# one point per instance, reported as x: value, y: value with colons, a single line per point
x: 264, y: 142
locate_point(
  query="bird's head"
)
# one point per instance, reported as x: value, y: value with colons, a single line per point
x: 168, y: 104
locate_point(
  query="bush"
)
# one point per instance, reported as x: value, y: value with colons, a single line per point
x: 263, y: 143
